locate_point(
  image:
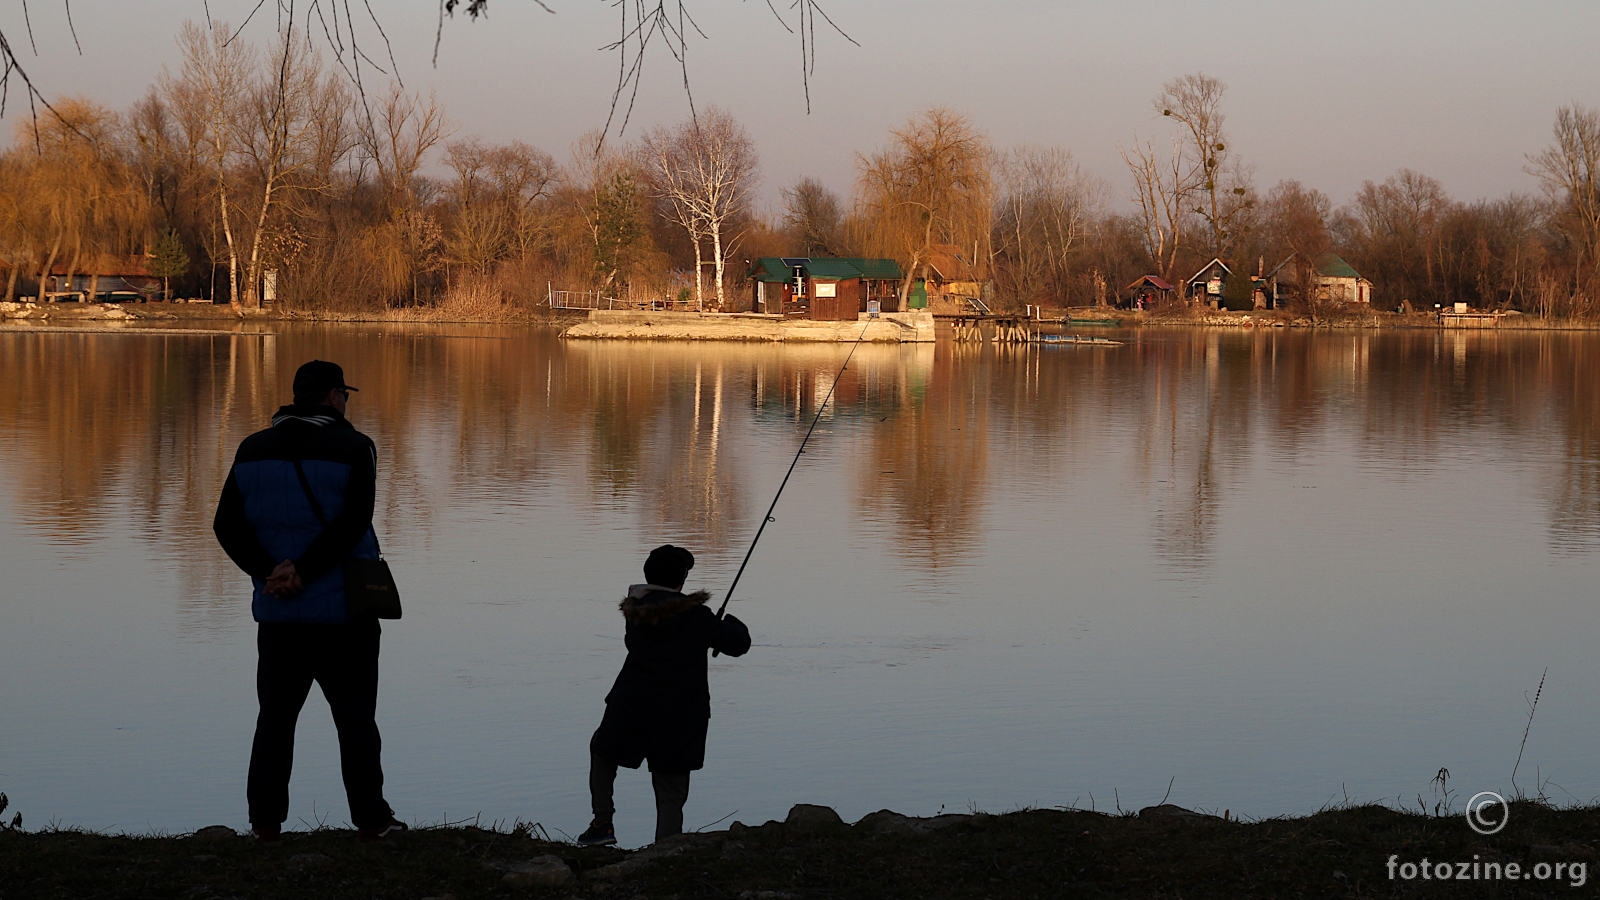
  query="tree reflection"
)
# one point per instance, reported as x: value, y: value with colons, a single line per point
x: 926, y: 476
x: 133, y: 433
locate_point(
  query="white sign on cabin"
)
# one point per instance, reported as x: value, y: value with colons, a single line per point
x: 826, y: 288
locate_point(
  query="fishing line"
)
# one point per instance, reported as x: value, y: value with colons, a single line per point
x: 768, y: 518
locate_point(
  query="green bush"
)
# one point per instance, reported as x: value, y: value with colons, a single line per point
x: 1239, y: 293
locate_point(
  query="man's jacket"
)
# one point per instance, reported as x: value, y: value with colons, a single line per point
x: 264, y: 516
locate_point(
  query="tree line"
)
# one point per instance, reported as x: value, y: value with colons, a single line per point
x: 251, y: 169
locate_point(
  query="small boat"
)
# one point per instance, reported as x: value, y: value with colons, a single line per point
x: 1072, y: 339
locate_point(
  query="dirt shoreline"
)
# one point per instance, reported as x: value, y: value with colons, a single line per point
x: 1160, y: 852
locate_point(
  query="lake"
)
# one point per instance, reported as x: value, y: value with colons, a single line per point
x: 1273, y: 569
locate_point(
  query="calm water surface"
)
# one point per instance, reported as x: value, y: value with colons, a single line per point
x: 1277, y: 570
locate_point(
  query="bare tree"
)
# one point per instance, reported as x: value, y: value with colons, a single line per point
x: 668, y: 155
x: 705, y: 169
x: 1392, y: 232
x: 1570, y: 170
x: 1195, y: 102
x: 523, y: 177
x: 1296, y: 220
x: 1042, y: 215
x: 932, y: 186
x: 283, y: 127
x: 477, y: 233
x: 1161, y: 189
x: 813, y: 216
x: 205, y: 95
x: 393, y: 138
x: 494, y: 201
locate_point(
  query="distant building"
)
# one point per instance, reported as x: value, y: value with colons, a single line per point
x: 1148, y: 291
x: 1332, y: 281
x: 824, y: 288
x: 1205, y: 286
x: 951, y: 286
x: 103, y: 276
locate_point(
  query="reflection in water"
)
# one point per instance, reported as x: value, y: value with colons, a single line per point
x: 1139, y: 491
x: 926, y: 472
x: 132, y: 431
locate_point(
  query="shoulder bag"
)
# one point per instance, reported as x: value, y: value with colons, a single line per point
x: 369, y: 588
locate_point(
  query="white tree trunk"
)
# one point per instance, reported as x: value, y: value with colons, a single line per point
x: 718, y: 261
x: 699, y: 272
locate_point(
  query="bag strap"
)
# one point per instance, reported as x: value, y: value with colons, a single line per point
x: 316, y: 508
x: 305, y: 485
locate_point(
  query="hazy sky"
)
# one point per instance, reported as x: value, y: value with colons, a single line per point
x: 1331, y: 94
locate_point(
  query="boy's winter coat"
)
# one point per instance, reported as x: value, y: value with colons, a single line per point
x: 660, y: 706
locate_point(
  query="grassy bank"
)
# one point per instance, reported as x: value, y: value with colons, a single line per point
x: 1341, y: 853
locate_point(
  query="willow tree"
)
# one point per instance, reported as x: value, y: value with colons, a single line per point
x: 82, y: 201
x: 393, y: 136
x: 16, y: 242
x: 931, y: 186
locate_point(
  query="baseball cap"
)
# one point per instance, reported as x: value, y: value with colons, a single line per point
x: 316, y: 378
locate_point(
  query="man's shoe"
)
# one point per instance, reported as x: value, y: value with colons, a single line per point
x: 379, y: 832
x: 598, y: 834
x: 266, y: 834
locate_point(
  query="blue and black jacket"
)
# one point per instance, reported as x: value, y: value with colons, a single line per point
x: 264, y: 517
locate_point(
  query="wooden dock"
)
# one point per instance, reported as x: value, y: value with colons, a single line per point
x: 1016, y: 330
x: 1454, y: 319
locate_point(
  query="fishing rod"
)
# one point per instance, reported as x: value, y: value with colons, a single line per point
x: 781, y: 485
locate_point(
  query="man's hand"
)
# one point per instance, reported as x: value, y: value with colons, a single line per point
x: 284, y: 581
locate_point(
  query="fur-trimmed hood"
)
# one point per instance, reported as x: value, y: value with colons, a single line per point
x: 651, y: 604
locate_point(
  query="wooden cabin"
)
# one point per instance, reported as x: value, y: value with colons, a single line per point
x: 103, y: 277
x: 1332, y: 279
x: 1149, y: 291
x: 1205, y: 286
x: 951, y: 286
x: 825, y: 288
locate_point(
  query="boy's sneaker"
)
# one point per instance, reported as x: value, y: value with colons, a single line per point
x: 379, y: 832
x: 266, y: 834
x: 598, y: 834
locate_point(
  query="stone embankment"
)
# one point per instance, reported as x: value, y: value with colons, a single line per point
x: 910, y: 327
x: 88, y: 312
